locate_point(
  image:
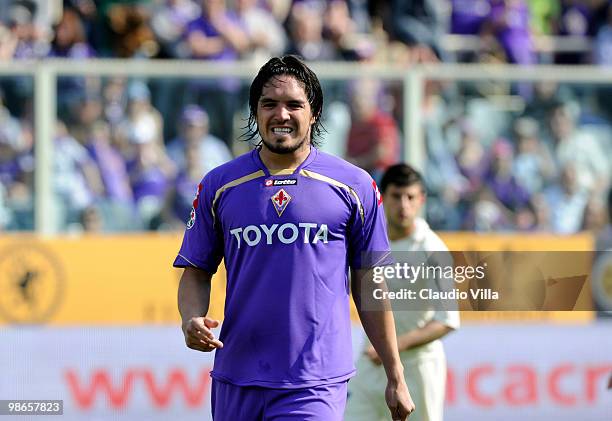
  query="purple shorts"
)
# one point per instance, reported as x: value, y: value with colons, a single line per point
x: 252, y: 403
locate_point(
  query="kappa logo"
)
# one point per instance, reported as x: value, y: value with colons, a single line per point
x: 282, y: 182
x: 280, y: 201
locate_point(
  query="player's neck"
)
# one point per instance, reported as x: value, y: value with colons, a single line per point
x: 277, y: 162
x: 398, y: 232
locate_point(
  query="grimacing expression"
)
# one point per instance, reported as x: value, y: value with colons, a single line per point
x: 284, y: 116
x: 403, y: 203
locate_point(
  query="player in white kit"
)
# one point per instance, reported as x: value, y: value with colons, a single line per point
x: 418, y: 331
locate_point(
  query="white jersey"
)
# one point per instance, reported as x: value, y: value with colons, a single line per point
x: 422, y: 239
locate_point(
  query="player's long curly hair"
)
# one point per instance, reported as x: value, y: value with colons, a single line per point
x: 293, y: 66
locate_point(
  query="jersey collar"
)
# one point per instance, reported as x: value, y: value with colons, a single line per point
x: 257, y: 159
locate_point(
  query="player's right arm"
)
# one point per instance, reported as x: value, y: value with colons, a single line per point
x: 193, y: 303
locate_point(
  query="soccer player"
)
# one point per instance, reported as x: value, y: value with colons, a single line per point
x: 418, y: 331
x: 289, y: 222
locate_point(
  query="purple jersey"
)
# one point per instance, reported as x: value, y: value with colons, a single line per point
x: 288, y: 242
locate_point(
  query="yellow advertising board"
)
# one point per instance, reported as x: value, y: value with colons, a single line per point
x: 92, y: 280
x: 129, y: 279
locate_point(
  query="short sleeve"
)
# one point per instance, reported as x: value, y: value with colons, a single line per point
x: 368, y: 241
x: 202, y: 245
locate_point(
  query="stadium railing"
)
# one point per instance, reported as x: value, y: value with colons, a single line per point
x: 45, y: 75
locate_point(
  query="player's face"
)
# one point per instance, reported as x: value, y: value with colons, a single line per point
x: 402, y: 204
x: 284, y: 116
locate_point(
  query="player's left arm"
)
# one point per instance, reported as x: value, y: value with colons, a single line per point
x: 379, y: 326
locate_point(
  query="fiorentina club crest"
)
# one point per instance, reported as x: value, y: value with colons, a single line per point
x: 280, y: 201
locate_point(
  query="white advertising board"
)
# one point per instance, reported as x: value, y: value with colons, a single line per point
x: 501, y: 372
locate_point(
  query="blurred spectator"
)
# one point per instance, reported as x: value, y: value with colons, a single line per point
x: 499, y: 23
x: 26, y: 39
x: 602, y: 55
x: 70, y: 40
x: 16, y: 179
x: 21, y: 38
x: 373, y: 140
x: 594, y: 218
x: 542, y: 212
x: 471, y: 159
x: 341, y: 30
x: 487, y: 214
x: 8, y: 43
x: 501, y: 180
x: 89, y: 15
x: 91, y: 220
x: 179, y: 200
x: 195, y: 138
x: 279, y: 8
x: 525, y: 219
x: 337, y: 118
x: 362, y: 14
x: 84, y: 112
x: 129, y: 31
x: 509, y: 22
x: 114, y: 97
x: 16, y: 172
x: 444, y: 181
x: 574, y: 20
x: 572, y: 144
x: 217, y: 34
x: 151, y: 174
x: 76, y: 178
x: 306, y: 33
x: 600, y: 10
x: 544, y: 16
x: 602, y: 46
x: 468, y: 16
x: 9, y: 125
x: 169, y: 22
x: 566, y: 202
x: 266, y: 35
x: 110, y: 163
x: 116, y: 205
x: 419, y: 25
x: 534, y: 166
x: 142, y: 120
x: 547, y: 95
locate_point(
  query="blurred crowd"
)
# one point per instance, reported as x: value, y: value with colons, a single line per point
x: 128, y: 153
x: 394, y: 30
x: 540, y: 165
